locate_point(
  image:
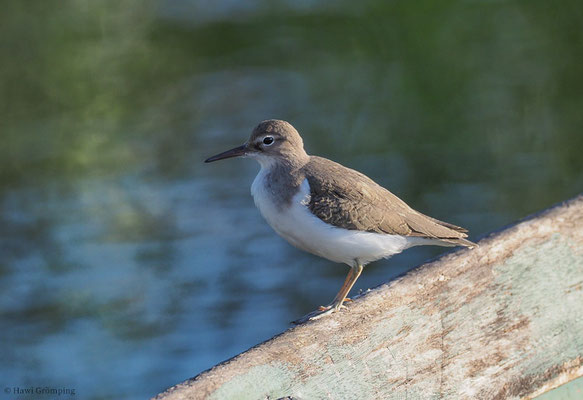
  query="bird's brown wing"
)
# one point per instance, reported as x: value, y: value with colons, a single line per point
x: 350, y: 200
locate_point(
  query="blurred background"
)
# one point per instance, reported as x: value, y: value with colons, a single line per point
x: 127, y: 265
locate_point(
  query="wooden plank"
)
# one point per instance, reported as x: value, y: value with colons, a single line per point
x: 502, y: 321
x: 570, y: 391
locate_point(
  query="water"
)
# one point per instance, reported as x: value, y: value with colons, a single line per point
x: 127, y: 265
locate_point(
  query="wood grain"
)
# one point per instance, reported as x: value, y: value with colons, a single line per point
x: 502, y: 321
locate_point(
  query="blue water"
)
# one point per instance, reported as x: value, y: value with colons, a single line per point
x: 127, y: 265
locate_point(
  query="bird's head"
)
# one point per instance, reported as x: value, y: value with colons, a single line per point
x: 271, y: 141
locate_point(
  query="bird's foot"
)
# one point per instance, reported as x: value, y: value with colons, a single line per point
x: 314, y: 315
x: 322, y: 311
x: 337, y: 306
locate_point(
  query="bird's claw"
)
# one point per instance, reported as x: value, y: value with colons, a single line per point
x: 322, y: 311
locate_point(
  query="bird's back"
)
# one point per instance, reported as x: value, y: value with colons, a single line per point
x: 348, y: 199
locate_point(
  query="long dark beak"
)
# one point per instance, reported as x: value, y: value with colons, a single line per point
x: 236, y: 152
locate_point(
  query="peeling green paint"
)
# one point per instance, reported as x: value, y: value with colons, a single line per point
x: 263, y: 381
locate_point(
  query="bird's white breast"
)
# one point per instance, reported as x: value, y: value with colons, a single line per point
x: 296, y: 223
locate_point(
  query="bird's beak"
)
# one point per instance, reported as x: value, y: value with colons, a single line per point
x: 236, y: 152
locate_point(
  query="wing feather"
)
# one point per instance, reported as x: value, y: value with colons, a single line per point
x: 350, y: 200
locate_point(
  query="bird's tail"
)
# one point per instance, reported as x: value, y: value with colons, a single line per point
x: 459, y: 242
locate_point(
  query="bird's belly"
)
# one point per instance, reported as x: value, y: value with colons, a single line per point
x: 311, y: 234
x: 296, y: 223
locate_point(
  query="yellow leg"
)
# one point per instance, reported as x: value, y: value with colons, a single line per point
x: 353, y: 275
x: 340, y: 298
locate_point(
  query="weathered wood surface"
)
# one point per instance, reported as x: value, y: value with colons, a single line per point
x: 501, y: 321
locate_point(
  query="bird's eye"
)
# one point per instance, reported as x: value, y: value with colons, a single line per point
x: 268, y: 140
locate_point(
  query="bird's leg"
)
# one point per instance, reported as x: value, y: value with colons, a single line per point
x: 336, y: 304
x: 351, y: 278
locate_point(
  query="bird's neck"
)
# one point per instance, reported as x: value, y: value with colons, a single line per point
x: 279, y: 179
x: 286, y: 164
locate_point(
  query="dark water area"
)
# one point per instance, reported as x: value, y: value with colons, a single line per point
x: 128, y: 265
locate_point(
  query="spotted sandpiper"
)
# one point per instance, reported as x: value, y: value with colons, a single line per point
x: 330, y: 210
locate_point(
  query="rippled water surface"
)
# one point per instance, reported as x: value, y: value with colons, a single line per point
x: 127, y: 265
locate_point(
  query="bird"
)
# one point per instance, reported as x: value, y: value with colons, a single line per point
x: 330, y: 210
